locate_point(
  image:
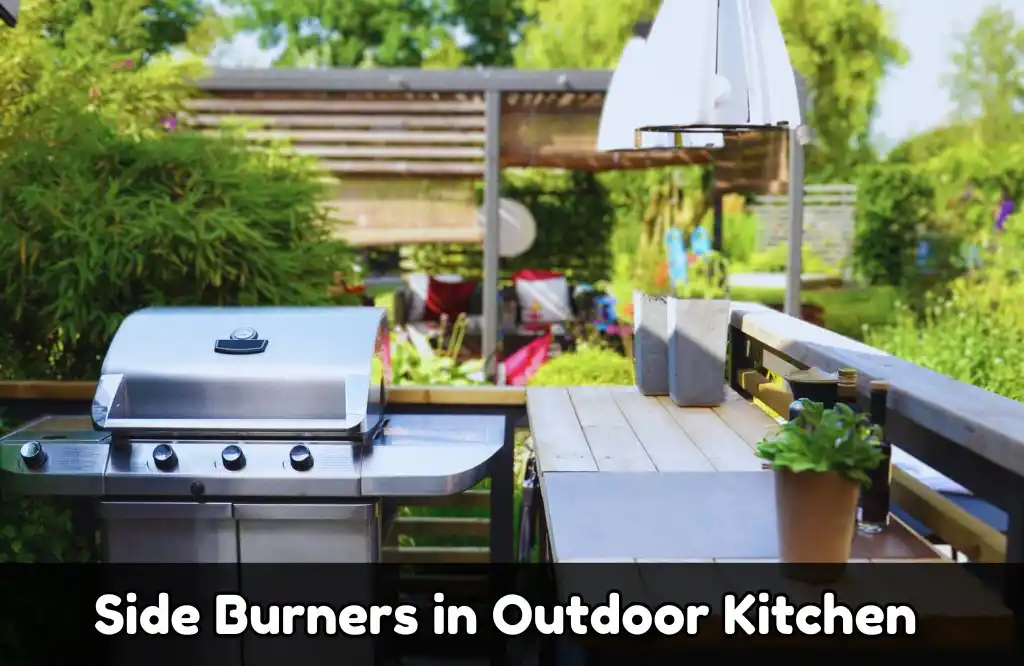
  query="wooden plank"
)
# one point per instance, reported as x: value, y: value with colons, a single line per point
x: 367, y: 136
x: 454, y: 555
x: 442, y: 526
x: 497, y: 396
x: 440, y: 153
x: 557, y: 434
x: 612, y: 442
x: 467, y: 169
x: 471, y: 499
x: 723, y: 448
x: 595, y: 406
x: 982, y: 422
x: 667, y: 445
x: 47, y: 390
x: 380, y: 237
x: 745, y: 419
x: 776, y: 397
x: 378, y: 122
x: 979, y: 541
x: 306, y: 105
x: 401, y: 395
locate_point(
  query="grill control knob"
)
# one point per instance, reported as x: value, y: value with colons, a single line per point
x: 232, y: 458
x: 301, y: 458
x: 165, y: 458
x: 33, y: 455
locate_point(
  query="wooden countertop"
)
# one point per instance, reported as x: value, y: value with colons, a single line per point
x: 665, y: 476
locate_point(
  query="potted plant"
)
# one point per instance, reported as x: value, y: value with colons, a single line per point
x: 821, y: 459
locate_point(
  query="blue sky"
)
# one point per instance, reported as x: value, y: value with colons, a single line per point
x: 912, y: 98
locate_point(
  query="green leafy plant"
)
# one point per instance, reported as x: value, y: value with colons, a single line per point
x: 589, y: 365
x: 775, y: 260
x: 707, y: 278
x: 411, y: 367
x: 825, y: 440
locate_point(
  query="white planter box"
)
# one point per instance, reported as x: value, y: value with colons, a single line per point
x: 698, y: 333
x: 650, y: 343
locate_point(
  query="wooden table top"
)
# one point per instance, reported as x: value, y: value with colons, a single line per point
x: 637, y: 481
x: 656, y: 466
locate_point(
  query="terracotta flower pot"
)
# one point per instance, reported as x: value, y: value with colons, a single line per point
x: 817, y: 512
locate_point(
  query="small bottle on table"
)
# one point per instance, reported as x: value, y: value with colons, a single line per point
x: 874, y: 501
x: 846, y: 388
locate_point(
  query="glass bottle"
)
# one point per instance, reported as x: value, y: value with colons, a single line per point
x: 874, y: 501
x: 846, y: 388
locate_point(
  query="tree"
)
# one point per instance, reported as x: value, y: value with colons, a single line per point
x: 843, y: 49
x: 343, y: 33
x: 164, y: 24
x: 986, y: 80
x: 581, y: 34
x: 96, y: 66
x: 491, y: 26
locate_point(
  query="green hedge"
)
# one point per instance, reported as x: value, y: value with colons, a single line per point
x: 895, y: 203
x: 574, y: 230
x: 106, y: 224
x: 589, y: 366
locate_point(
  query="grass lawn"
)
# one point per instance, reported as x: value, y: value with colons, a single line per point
x: 847, y: 311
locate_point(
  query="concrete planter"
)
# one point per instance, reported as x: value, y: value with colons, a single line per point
x: 698, y: 334
x: 650, y: 343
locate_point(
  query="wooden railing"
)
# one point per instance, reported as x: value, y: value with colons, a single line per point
x: 972, y: 436
x: 481, y: 515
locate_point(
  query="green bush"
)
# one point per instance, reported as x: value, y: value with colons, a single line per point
x: 574, y: 229
x: 739, y: 236
x: 895, y: 204
x: 776, y: 259
x: 106, y: 224
x: 588, y: 366
x: 974, y: 334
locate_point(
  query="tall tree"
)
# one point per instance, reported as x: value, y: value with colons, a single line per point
x: 986, y: 79
x: 490, y: 28
x: 164, y: 24
x: 343, y: 33
x: 583, y: 34
x: 843, y: 48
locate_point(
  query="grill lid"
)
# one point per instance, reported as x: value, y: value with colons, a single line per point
x: 240, y: 370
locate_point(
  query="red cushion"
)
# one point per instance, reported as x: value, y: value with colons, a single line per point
x: 450, y: 298
x: 528, y: 274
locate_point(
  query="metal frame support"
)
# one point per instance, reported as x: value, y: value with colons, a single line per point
x: 492, y: 227
x: 717, y: 222
x: 794, y: 266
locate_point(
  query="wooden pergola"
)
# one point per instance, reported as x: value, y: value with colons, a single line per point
x: 409, y: 145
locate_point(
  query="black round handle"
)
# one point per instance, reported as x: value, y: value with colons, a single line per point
x: 33, y: 455
x: 232, y: 458
x: 165, y: 458
x: 301, y: 458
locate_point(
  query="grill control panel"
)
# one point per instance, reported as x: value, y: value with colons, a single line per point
x: 242, y: 468
x: 417, y: 455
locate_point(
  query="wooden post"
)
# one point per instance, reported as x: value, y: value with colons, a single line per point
x: 650, y: 343
x: 698, y: 333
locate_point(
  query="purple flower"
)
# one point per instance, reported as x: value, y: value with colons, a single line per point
x: 124, y: 64
x: 170, y: 123
x: 1005, y: 210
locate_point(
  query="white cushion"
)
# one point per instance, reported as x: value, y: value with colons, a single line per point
x: 544, y: 301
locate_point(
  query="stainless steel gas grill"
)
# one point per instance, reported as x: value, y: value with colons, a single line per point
x: 248, y: 435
